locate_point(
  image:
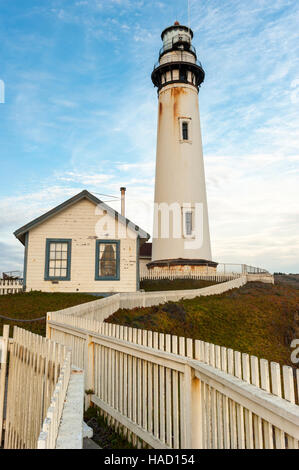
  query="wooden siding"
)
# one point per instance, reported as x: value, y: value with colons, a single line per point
x: 78, y: 223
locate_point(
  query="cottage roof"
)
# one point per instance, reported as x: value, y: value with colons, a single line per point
x: 21, y: 232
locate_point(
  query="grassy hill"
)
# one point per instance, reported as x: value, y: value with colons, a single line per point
x: 259, y: 319
x: 175, y: 284
x: 31, y: 305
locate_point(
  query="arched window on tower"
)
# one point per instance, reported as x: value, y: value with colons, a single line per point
x: 185, y: 130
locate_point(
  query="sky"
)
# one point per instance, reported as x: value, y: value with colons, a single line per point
x: 80, y: 112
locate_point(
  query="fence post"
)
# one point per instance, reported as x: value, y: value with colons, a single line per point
x: 89, y: 370
x: 187, y: 430
x: 196, y: 413
x: 48, y: 328
x: 3, y: 375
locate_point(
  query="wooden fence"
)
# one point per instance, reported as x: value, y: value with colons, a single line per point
x: 224, y: 272
x: 11, y: 286
x: 156, y: 274
x: 101, y: 309
x: 38, y: 376
x: 165, y: 391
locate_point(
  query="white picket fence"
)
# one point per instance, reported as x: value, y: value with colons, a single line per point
x: 224, y: 272
x: 34, y: 396
x: 165, y: 391
x: 101, y: 309
x: 171, y: 275
x: 11, y: 286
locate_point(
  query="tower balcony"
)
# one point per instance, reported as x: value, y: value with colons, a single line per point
x: 177, y: 56
x: 177, y: 71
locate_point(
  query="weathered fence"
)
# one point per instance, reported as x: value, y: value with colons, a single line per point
x: 156, y: 274
x: 224, y: 272
x: 14, y: 286
x: 101, y: 309
x: 39, y: 372
x: 165, y: 391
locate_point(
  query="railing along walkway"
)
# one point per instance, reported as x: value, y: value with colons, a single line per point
x: 166, y: 391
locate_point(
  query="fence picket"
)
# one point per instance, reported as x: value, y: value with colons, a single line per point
x: 37, y: 366
x: 247, y: 413
x: 257, y: 422
x: 160, y: 394
x: 176, y: 413
x: 289, y: 394
x: 277, y: 390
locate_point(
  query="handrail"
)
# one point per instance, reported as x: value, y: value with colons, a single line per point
x: 172, y: 59
x: 179, y: 38
x: 270, y: 409
x: 277, y: 410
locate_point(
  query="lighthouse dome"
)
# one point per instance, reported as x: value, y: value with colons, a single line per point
x: 177, y: 36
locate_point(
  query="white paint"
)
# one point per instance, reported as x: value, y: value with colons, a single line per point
x: 101, y: 309
x: 180, y: 177
x: 70, y: 434
x: 209, y: 379
x: 82, y: 223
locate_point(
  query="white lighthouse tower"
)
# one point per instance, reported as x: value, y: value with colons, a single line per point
x: 181, y: 239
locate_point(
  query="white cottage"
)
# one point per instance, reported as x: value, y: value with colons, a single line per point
x: 82, y: 245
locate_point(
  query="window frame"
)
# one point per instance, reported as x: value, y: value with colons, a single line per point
x: 188, y: 213
x: 185, y: 128
x: 188, y: 121
x: 185, y: 210
x: 97, y: 254
x: 47, y: 260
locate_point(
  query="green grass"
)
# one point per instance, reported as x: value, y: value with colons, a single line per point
x: 258, y: 319
x: 175, y: 284
x: 34, y: 305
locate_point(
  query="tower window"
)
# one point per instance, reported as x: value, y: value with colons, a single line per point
x: 183, y: 75
x: 188, y: 223
x: 185, y: 130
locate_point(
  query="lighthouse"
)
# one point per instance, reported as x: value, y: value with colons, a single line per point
x: 181, y: 238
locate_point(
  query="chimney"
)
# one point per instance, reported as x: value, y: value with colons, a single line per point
x: 123, y: 201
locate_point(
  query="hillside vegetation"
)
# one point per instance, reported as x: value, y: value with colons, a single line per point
x: 258, y: 319
x: 31, y: 305
x: 175, y: 284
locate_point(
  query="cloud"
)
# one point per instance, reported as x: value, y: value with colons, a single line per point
x: 81, y: 113
x: 11, y: 255
x: 85, y: 179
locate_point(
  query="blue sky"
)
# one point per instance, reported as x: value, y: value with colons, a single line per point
x: 80, y: 113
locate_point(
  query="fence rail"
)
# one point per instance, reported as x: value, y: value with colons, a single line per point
x: 36, y: 389
x: 14, y: 286
x: 101, y: 309
x: 165, y: 391
x: 157, y: 274
x: 224, y: 272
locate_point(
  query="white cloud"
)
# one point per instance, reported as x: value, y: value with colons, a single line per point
x: 107, y: 134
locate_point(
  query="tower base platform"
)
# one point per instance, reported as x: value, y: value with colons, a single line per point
x: 183, y: 266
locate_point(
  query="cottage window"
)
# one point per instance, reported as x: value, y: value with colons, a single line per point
x: 107, y: 260
x: 58, y: 259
